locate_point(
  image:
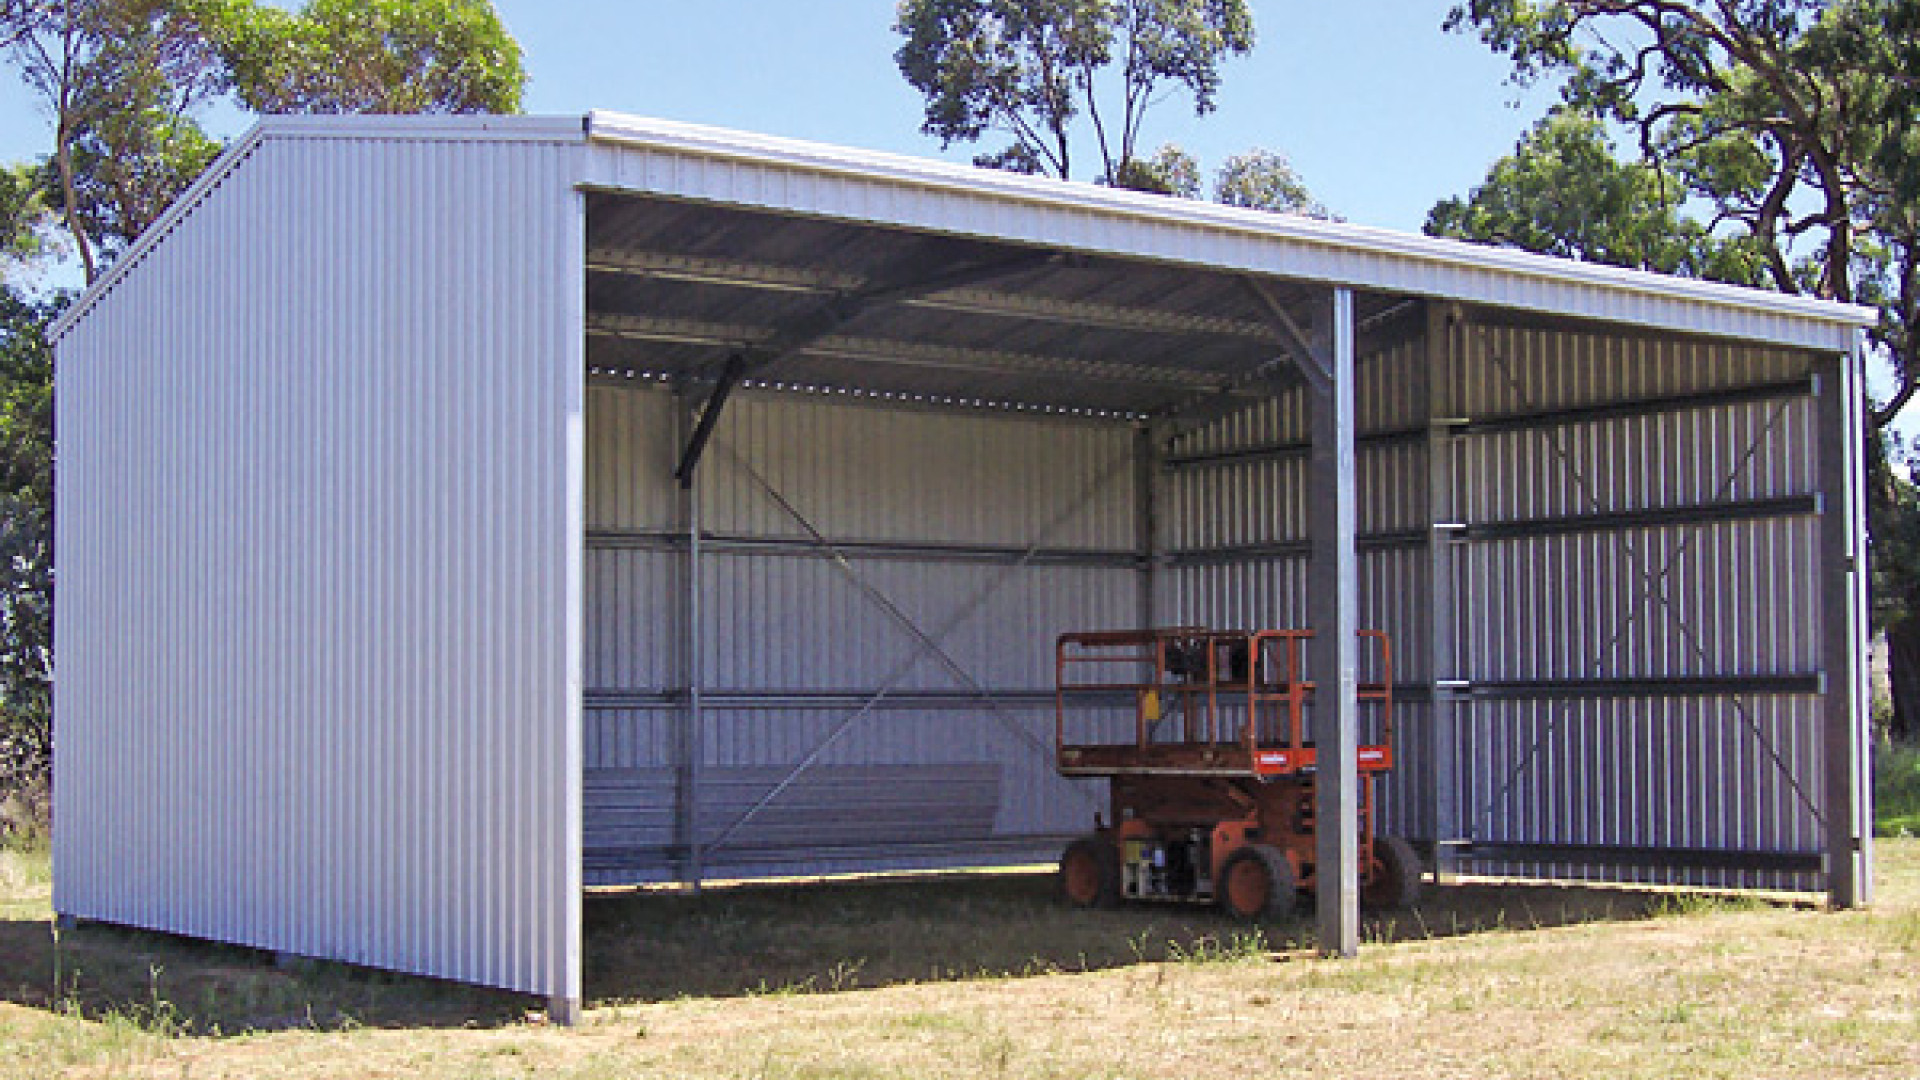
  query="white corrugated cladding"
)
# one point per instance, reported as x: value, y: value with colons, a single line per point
x: 327, y: 578
x: 319, y: 545
x: 666, y: 158
x: 913, y: 654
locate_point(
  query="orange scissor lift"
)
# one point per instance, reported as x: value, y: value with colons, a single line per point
x: 1212, y: 781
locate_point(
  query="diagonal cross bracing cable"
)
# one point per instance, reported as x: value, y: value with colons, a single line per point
x: 1652, y: 586
x: 925, y: 644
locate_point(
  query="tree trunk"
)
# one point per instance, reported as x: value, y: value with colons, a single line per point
x: 1903, y: 670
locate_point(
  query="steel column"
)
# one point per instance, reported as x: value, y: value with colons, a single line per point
x: 1443, y: 519
x: 1333, y: 603
x: 1148, y: 473
x: 1843, y: 557
x: 692, y: 734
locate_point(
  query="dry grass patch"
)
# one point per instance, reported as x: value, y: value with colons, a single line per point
x: 988, y: 977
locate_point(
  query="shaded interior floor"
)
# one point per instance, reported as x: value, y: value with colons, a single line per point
x: 813, y: 937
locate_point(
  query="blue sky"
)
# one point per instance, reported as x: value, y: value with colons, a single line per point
x: 1381, y: 111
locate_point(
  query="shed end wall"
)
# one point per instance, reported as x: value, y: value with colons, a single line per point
x: 319, y: 548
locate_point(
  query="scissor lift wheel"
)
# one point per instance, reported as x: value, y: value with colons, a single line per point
x: 1258, y: 882
x: 1211, y: 774
x: 1393, y: 879
x: 1090, y: 873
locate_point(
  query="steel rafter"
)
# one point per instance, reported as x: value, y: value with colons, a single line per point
x: 875, y: 350
x: 968, y: 300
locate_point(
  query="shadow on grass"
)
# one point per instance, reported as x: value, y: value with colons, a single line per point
x: 651, y: 946
x: 184, y: 986
x: 823, y: 937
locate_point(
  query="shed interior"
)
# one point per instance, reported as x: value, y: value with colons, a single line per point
x: 1595, y: 548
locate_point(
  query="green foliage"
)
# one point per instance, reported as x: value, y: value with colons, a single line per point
x: 1039, y: 73
x: 1896, y: 791
x: 1893, y: 506
x: 26, y: 547
x: 121, y: 80
x: 1264, y: 180
x: 1170, y: 171
x: 24, y: 218
x: 369, y: 56
x: 1793, y: 121
x: 1563, y: 192
x: 135, y: 144
x: 124, y: 81
x: 1028, y: 70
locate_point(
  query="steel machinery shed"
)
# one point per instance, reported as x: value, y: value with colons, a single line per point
x: 457, y: 513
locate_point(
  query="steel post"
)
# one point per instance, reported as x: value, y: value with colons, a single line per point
x: 1443, y: 668
x: 692, y: 735
x: 1333, y: 603
x: 1843, y: 569
x: 1148, y: 468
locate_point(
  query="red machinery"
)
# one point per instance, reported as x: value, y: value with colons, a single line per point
x: 1212, y: 773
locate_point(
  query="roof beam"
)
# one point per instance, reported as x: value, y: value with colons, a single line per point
x: 848, y: 305
x: 839, y: 309
x: 1299, y: 346
x: 1299, y: 357
x: 770, y: 277
x: 736, y: 366
x: 741, y: 339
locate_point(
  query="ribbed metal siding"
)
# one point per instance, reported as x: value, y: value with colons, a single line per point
x: 1695, y: 772
x: 1638, y: 596
x: 1506, y: 370
x: 936, y: 509
x: 1222, y: 510
x: 318, y: 540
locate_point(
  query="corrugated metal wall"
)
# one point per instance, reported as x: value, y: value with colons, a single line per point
x: 1235, y: 531
x: 1634, y: 622
x: 1639, y: 609
x: 318, y: 535
x: 1633, y: 575
x: 846, y: 549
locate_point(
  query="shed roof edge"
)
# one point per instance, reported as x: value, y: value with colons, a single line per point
x: 619, y: 129
x: 693, y: 139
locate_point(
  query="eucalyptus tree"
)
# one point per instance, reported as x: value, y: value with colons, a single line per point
x: 1564, y: 191
x: 1039, y: 72
x: 369, y: 56
x: 1791, y: 119
x: 121, y: 81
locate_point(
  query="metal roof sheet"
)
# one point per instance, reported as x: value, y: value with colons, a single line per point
x: 685, y: 161
x: 698, y: 162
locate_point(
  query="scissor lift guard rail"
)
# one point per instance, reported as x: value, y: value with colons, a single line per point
x: 1212, y: 774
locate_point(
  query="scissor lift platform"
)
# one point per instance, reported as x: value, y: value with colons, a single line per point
x: 1206, y: 737
x: 1205, y: 703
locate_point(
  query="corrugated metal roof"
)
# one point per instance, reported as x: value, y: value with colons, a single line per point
x: 727, y: 166
x: 711, y: 165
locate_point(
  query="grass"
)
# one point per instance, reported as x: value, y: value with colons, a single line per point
x: 985, y: 975
x: 1896, y: 791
